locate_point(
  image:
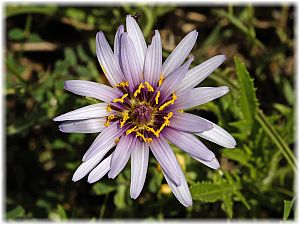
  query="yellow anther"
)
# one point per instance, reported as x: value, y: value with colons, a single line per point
x: 161, y: 79
x: 129, y: 131
x: 151, y: 129
x: 180, y: 111
x: 149, y: 87
x: 122, y: 84
x: 166, y: 122
x: 110, y: 117
x: 117, y: 140
x: 108, y: 108
x: 106, y: 123
x: 149, y: 140
x: 138, y: 90
x: 104, y: 70
x: 156, y: 97
x: 138, y: 134
x: 120, y: 99
x: 170, y: 102
x: 125, y: 118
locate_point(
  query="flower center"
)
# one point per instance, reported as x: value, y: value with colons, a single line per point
x: 141, y: 110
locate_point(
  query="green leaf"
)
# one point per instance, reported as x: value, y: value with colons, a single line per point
x: 17, y: 212
x: 248, y: 101
x: 287, y: 208
x: 228, y: 204
x: 70, y: 56
x: 61, y: 212
x: 209, y: 192
x: 237, y: 155
x: 102, y: 188
x: 16, y: 34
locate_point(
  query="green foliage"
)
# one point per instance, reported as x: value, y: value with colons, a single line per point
x: 48, y: 44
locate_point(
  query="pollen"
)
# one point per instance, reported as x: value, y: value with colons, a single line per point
x: 166, y: 122
x: 138, y: 90
x: 161, y: 79
x: 108, y: 108
x: 156, y: 97
x: 125, y: 118
x: 171, y: 102
x: 149, y: 87
x: 122, y: 84
x: 120, y: 99
x: 151, y: 129
x: 147, y: 140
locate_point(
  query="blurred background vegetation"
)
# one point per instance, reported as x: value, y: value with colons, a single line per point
x: 48, y: 44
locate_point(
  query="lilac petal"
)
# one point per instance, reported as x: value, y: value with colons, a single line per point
x: 108, y: 60
x: 214, y: 163
x: 117, y: 42
x: 92, y: 89
x: 100, y: 170
x: 88, y: 112
x: 87, y: 166
x: 121, y: 155
x: 219, y: 136
x: 182, y: 192
x: 83, y: 126
x: 166, y: 158
x: 137, y: 38
x: 197, y: 74
x: 188, y: 143
x: 104, y: 141
x: 153, y: 60
x: 173, y: 80
x: 198, y: 96
x: 139, y: 164
x: 189, y: 123
x: 129, y: 61
x: 177, y: 57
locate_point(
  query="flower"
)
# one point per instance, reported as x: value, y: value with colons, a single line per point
x: 144, y: 108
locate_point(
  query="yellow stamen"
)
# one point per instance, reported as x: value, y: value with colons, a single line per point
x: 149, y: 140
x: 161, y: 79
x: 151, y: 129
x: 125, y: 118
x: 166, y: 122
x: 129, y: 131
x: 104, y: 70
x: 110, y: 117
x: 149, y: 87
x: 108, y: 108
x: 117, y: 140
x: 120, y: 99
x: 106, y: 123
x: 138, y: 90
x: 171, y: 102
x: 138, y: 134
x: 156, y: 97
x: 122, y: 84
x: 180, y: 111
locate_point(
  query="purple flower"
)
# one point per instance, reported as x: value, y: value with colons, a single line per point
x: 144, y: 109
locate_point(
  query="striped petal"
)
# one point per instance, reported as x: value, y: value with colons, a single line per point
x: 172, y: 81
x: 197, y: 74
x: 121, y: 155
x: 117, y: 43
x: 139, y: 164
x: 166, y: 158
x: 214, y: 163
x: 108, y: 60
x: 199, y: 96
x: 129, y: 61
x: 99, y: 171
x: 153, y: 60
x: 137, y: 38
x: 83, y: 126
x: 219, y: 136
x: 188, y: 143
x: 182, y: 192
x: 177, y: 57
x: 189, y: 123
x: 87, y: 166
x: 88, y: 112
x: 92, y: 89
x: 104, y: 141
